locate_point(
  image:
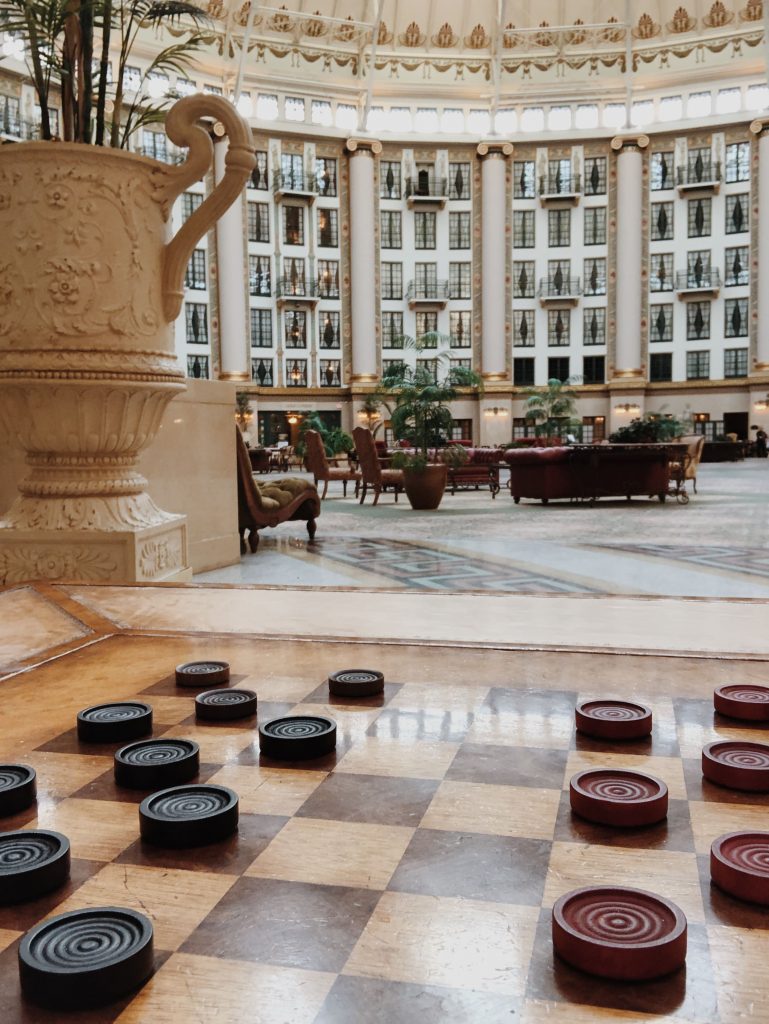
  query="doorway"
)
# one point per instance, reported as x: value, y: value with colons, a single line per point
x: 736, y: 423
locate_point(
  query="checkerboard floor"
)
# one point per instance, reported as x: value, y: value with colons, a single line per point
x: 409, y: 877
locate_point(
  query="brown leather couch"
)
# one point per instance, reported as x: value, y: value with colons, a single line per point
x: 587, y: 472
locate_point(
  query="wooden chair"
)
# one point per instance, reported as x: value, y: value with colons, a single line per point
x: 694, y: 443
x: 317, y: 464
x: 270, y: 504
x: 373, y: 474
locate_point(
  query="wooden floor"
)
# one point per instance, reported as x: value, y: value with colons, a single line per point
x: 407, y: 879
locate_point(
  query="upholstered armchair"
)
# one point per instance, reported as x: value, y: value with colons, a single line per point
x: 373, y: 474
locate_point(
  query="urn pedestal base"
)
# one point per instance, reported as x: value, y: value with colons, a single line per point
x: 151, y: 554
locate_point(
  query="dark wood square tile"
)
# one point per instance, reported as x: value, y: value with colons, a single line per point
x: 377, y: 799
x: 698, y: 788
x: 103, y: 787
x: 534, y: 703
x: 230, y: 857
x: 68, y: 743
x: 320, y: 695
x: 373, y: 1001
x: 663, y: 742
x: 167, y: 687
x: 675, y: 833
x: 475, y: 867
x: 689, y: 994
x: 723, y: 909
x: 22, y: 916
x: 421, y: 724
x: 509, y: 766
x: 291, y: 924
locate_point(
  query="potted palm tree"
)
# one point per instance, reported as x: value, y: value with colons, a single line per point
x: 553, y: 407
x: 419, y: 413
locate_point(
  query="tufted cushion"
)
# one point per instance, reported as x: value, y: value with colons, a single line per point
x: 279, y: 493
x: 535, y: 456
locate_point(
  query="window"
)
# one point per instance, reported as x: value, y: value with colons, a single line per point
x: 190, y: 202
x: 524, y: 281
x: 424, y: 230
x: 294, y: 108
x: 330, y: 373
x: 661, y: 272
x: 325, y: 176
x: 456, y: 365
x: 259, y: 275
x: 293, y: 277
x: 392, y: 330
x: 459, y: 280
x: 594, y: 326
x: 661, y: 171
x: 392, y: 281
x: 295, y: 328
x: 427, y: 323
x: 328, y: 279
x: 293, y: 225
x: 736, y: 318
x: 429, y: 367
x: 697, y: 365
x: 697, y: 268
x: 593, y: 429
x: 593, y: 369
x: 459, y: 181
x: 559, y: 176
x: 699, y: 217
x: 155, y: 144
x: 735, y: 362
x: 737, y: 213
x: 261, y: 328
x: 258, y: 177
x: 660, y: 366
x: 662, y: 222
x: 258, y: 222
x: 296, y: 373
x: 195, y: 276
x: 697, y: 320
x: 197, y: 366
x: 292, y: 171
x: 521, y: 427
x: 524, y: 182
x: 523, y: 229
x: 261, y: 372
x: 459, y: 230
x: 320, y: 113
x: 460, y: 329
x: 329, y: 332
x: 661, y: 323
x: 328, y: 229
x: 558, y: 227
x: 595, y: 176
x: 558, y: 368
x: 699, y: 165
x: 392, y: 366
x: 558, y: 323
x: 595, y: 277
x: 523, y: 328
x: 389, y: 179
x: 132, y: 78
x: 426, y: 279
x: 196, y: 320
x: 559, y: 277
x: 390, y: 229
x: 595, y: 225
x: 462, y: 430
x: 737, y: 266
x: 523, y: 373
x: 738, y: 162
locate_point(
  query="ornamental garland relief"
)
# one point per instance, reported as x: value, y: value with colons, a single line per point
x: 51, y: 563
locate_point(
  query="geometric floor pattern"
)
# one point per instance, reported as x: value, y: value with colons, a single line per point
x: 753, y: 561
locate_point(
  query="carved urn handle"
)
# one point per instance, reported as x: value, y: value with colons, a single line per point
x: 183, y: 129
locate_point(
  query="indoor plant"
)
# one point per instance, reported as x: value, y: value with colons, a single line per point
x: 552, y: 407
x: 648, y: 430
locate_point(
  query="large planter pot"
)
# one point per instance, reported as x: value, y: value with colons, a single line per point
x: 89, y: 287
x: 425, y: 487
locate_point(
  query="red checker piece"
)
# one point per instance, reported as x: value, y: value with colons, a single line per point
x: 613, y: 719
x: 617, y: 797
x: 747, y: 701
x: 739, y: 864
x: 737, y: 765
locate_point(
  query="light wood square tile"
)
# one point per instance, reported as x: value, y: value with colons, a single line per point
x: 218, y: 743
x: 170, y: 710
x: 268, y: 790
x: 493, y: 810
x: 203, y: 989
x: 333, y: 853
x: 521, y: 730
x: 541, y: 1012
x: 60, y: 775
x: 671, y: 875
x: 739, y: 957
x: 350, y: 721
x: 97, y: 829
x: 283, y: 689
x: 373, y: 755
x: 453, y: 942
x: 443, y: 696
x: 711, y: 820
x: 692, y: 736
x: 7, y: 937
x: 175, y: 901
x: 669, y: 769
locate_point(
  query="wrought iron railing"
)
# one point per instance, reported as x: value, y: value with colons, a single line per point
x: 559, y: 287
x: 427, y: 186
x: 430, y: 291
x: 691, y: 280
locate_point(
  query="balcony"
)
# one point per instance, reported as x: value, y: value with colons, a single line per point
x: 295, y: 186
x: 559, y: 290
x: 701, y: 176
x: 290, y: 291
x: 426, y: 190
x: 560, y: 188
x: 432, y: 295
x: 14, y: 128
x: 705, y: 283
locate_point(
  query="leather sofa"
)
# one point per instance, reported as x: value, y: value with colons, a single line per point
x: 587, y: 472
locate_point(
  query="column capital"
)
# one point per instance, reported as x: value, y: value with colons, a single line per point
x: 620, y: 142
x: 759, y: 126
x: 501, y: 149
x: 371, y: 147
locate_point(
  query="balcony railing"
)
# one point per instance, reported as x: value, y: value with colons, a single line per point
x: 18, y: 129
x: 553, y: 186
x: 296, y: 288
x: 284, y: 183
x: 698, y: 280
x: 432, y: 291
x: 700, y: 174
x: 558, y: 287
x: 427, y: 186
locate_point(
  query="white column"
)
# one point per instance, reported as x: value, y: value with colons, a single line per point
x: 231, y: 270
x: 494, y: 258
x: 363, y: 256
x: 627, y: 353
x: 760, y: 127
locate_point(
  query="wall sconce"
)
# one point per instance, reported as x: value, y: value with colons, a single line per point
x: 368, y: 417
x: 762, y: 404
x: 292, y: 418
x: 495, y: 410
x: 701, y: 417
x: 628, y: 407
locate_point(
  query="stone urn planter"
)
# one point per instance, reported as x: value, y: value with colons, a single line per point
x: 425, y: 487
x: 90, y: 285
